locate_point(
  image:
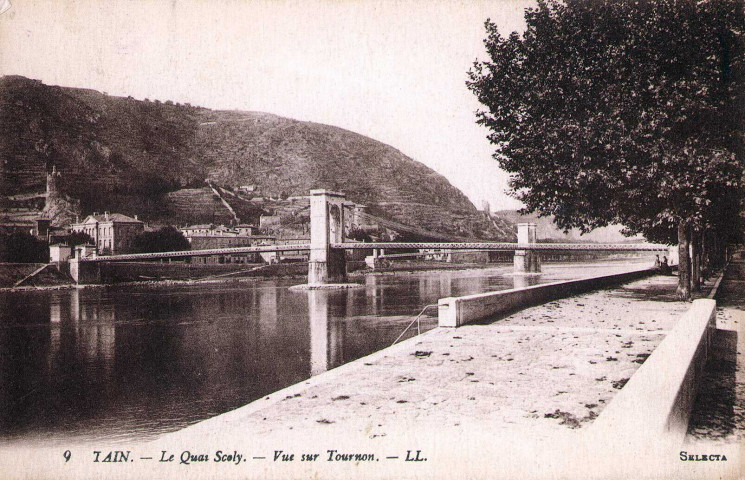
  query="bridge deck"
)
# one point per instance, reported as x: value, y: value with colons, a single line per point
x: 505, y: 246
x: 199, y: 253
x: 488, y: 246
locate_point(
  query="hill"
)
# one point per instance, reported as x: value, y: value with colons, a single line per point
x: 153, y: 158
x: 547, y: 230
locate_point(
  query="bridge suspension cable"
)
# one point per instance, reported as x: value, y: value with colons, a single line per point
x: 447, y: 246
x: 198, y: 253
x: 502, y: 246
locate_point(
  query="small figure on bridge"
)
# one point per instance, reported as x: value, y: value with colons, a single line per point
x: 656, y: 261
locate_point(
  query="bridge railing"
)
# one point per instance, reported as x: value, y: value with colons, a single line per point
x: 450, y: 246
x: 503, y: 246
x: 197, y: 253
x: 327, y: 262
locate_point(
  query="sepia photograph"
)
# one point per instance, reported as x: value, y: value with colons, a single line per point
x: 372, y: 239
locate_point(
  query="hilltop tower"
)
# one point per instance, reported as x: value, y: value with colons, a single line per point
x: 486, y: 207
x: 52, y: 183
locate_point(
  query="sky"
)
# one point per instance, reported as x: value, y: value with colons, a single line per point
x: 391, y: 70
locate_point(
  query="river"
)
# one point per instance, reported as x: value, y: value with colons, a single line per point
x: 133, y: 362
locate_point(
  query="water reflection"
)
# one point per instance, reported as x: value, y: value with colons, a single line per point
x: 118, y: 363
x: 522, y: 281
x: 319, y: 332
x: 374, y: 294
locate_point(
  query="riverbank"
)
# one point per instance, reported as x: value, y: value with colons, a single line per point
x: 11, y: 273
x: 536, y: 377
x: 290, y: 270
x: 14, y: 272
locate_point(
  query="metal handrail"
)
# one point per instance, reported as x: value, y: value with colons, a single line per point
x: 418, y: 329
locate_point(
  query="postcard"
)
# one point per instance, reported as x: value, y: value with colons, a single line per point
x: 371, y: 239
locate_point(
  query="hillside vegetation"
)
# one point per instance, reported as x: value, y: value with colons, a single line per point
x: 153, y: 158
x: 548, y: 231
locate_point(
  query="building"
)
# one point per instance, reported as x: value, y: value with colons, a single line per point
x: 57, y: 235
x: 198, y: 231
x: 209, y: 230
x: 112, y: 233
x: 245, y: 229
x: 290, y: 256
x: 9, y: 227
x: 60, y: 253
x: 209, y: 242
x: 85, y: 251
x: 43, y: 225
x: 269, y: 221
x: 40, y: 228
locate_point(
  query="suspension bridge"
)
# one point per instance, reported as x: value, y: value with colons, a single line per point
x: 327, y: 247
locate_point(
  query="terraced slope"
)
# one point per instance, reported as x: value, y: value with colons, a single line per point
x: 152, y: 159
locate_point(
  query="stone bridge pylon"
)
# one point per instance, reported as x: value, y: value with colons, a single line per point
x: 327, y: 265
x: 527, y: 261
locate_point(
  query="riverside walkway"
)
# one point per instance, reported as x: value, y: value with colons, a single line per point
x: 542, y: 370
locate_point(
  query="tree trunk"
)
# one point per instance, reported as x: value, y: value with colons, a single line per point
x: 705, y: 263
x: 714, y: 249
x: 695, y: 261
x: 684, y: 262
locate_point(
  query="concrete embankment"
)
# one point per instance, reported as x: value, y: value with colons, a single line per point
x: 718, y: 416
x: 11, y: 273
x: 457, y: 311
x: 509, y: 396
x: 117, y: 272
x: 654, y: 407
x: 33, y: 275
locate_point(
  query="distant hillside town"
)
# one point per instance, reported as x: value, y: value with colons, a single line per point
x: 114, y: 233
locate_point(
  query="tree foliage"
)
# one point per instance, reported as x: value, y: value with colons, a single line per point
x: 621, y: 112
x: 359, y: 235
x: 167, y: 239
x: 79, y: 238
x: 20, y: 247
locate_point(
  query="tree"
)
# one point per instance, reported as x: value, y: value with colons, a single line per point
x: 619, y: 112
x: 359, y: 234
x: 79, y: 238
x: 167, y: 239
x: 20, y: 247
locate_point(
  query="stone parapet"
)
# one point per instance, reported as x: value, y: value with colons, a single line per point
x: 457, y: 311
